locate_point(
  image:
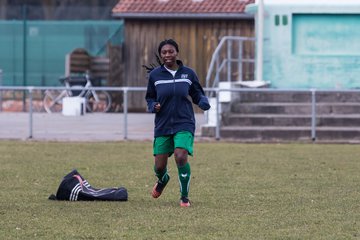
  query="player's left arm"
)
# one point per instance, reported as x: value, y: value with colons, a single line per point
x: 197, y: 94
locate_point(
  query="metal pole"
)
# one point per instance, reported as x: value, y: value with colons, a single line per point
x: 217, y: 71
x: 24, y: 53
x: 259, y: 40
x: 0, y: 90
x: 125, y: 112
x: 30, y: 112
x: 240, y: 63
x: 313, y: 114
x: 229, y: 57
x: 217, y: 129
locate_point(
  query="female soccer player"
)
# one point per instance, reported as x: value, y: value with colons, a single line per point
x: 168, y: 91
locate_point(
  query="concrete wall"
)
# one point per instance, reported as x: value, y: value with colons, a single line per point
x: 312, y: 44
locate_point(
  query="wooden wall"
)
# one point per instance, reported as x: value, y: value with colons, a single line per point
x: 197, y: 41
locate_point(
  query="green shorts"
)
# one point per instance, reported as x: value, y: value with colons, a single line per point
x: 168, y: 143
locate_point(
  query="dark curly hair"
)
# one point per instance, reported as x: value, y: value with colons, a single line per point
x: 168, y: 41
x: 151, y: 66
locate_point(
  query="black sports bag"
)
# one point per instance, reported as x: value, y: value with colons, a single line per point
x: 74, y: 187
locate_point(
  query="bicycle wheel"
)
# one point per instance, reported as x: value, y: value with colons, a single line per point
x: 98, y: 101
x: 53, y: 101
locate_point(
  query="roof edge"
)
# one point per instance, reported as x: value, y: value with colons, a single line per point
x: 184, y: 15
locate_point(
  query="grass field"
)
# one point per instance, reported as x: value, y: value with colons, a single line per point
x: 238, y: 191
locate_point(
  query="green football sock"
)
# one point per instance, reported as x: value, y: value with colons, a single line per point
x: 184, y: 179
x: 163, y: 176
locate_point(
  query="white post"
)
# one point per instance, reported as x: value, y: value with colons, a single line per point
x: 259, y: 40
x: 67, y: 65
x: 0, y: 90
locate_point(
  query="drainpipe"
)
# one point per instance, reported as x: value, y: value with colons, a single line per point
x: 260, y: 40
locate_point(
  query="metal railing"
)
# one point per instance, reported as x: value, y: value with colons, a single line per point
x: 217, y: 64
x: 313, y: 93
x: 31, y: 89
x: 126, y: 90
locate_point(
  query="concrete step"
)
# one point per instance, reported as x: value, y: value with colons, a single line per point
x: 271, y: 134
x: 254, y: 96
x: 294, y: 96
x: 290, y: 120
x: 267, y: 133
x: 338, y: 134
x: 338, y: 120
x: 294, y: 108
x: 286, y: 116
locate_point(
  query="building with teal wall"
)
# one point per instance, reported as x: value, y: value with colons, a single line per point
x: 311, y: 43
x: 32, y: 53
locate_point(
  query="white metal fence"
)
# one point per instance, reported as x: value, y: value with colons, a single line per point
x: 217, y: 91
x: 30, y: 89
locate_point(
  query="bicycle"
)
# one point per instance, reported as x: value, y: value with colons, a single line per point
x: 96, y: 100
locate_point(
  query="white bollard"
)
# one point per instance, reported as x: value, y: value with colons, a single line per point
x: 211, y: 113
x: 74, y: 106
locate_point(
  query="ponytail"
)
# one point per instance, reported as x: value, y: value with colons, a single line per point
x: 152, y: 66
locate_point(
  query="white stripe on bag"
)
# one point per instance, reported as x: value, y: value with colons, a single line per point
x: 77, y: 194
x: 73, y: 192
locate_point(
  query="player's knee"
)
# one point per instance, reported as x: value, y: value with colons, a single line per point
x: 181, y: 156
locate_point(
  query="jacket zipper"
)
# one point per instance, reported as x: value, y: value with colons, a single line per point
x: 172, y: 116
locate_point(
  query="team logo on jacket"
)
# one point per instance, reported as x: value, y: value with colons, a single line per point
x: 184, y: 76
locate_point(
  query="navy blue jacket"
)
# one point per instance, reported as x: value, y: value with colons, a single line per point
x: 176, y: 113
